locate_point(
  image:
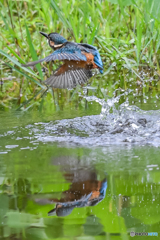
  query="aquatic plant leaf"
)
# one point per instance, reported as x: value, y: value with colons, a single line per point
x: 17, y: 63
x: 121, y: 2
x: 33, y: 52
x: 58, y: 11
x: 24, y: 74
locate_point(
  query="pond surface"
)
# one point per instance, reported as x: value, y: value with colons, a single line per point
x: 90, y: 177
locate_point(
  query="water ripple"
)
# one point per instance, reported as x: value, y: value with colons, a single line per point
x: 129, y: 125
x: 125, y: 125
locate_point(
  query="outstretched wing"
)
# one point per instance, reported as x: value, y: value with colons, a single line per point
x: 69, y: 76
x: 69, y: 52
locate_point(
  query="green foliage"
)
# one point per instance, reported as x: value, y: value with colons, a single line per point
x: 127, y: 34
x: 33, y: 52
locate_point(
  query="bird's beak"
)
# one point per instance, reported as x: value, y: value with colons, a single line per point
x: 44, y: 34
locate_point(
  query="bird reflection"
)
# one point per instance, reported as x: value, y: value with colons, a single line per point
x: 85, y: 189
x: 90, y: 193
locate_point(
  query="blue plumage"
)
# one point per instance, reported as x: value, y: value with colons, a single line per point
x: 58, y: 39
x: 91, y: 49
x: 98, y: 61
x: 69, y: 52
x: 103, y: 188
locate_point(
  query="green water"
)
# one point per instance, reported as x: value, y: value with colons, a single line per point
x: 33, y: 174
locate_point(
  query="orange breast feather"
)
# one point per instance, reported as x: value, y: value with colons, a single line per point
x: 90, y: 60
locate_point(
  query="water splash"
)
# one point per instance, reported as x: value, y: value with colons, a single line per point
x: 126, y: 125
x: 117, y: 124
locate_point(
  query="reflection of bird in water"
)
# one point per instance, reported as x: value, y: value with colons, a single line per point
x: 78, y: 61
x: 85, y: 189
x: 97, y: 193
x: 65, y: 208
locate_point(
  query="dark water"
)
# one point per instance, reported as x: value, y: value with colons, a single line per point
x: 91, y: 177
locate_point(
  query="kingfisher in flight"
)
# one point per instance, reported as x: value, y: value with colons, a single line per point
x: 79, y: 59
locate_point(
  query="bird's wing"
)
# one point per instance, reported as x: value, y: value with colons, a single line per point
x: 87, y: 47
x: 68, y: 76
x: 69, y: 52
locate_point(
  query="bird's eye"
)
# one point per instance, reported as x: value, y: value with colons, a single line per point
x: 51, y: 43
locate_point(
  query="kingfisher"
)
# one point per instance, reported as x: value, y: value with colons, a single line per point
x: 79, y: 59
